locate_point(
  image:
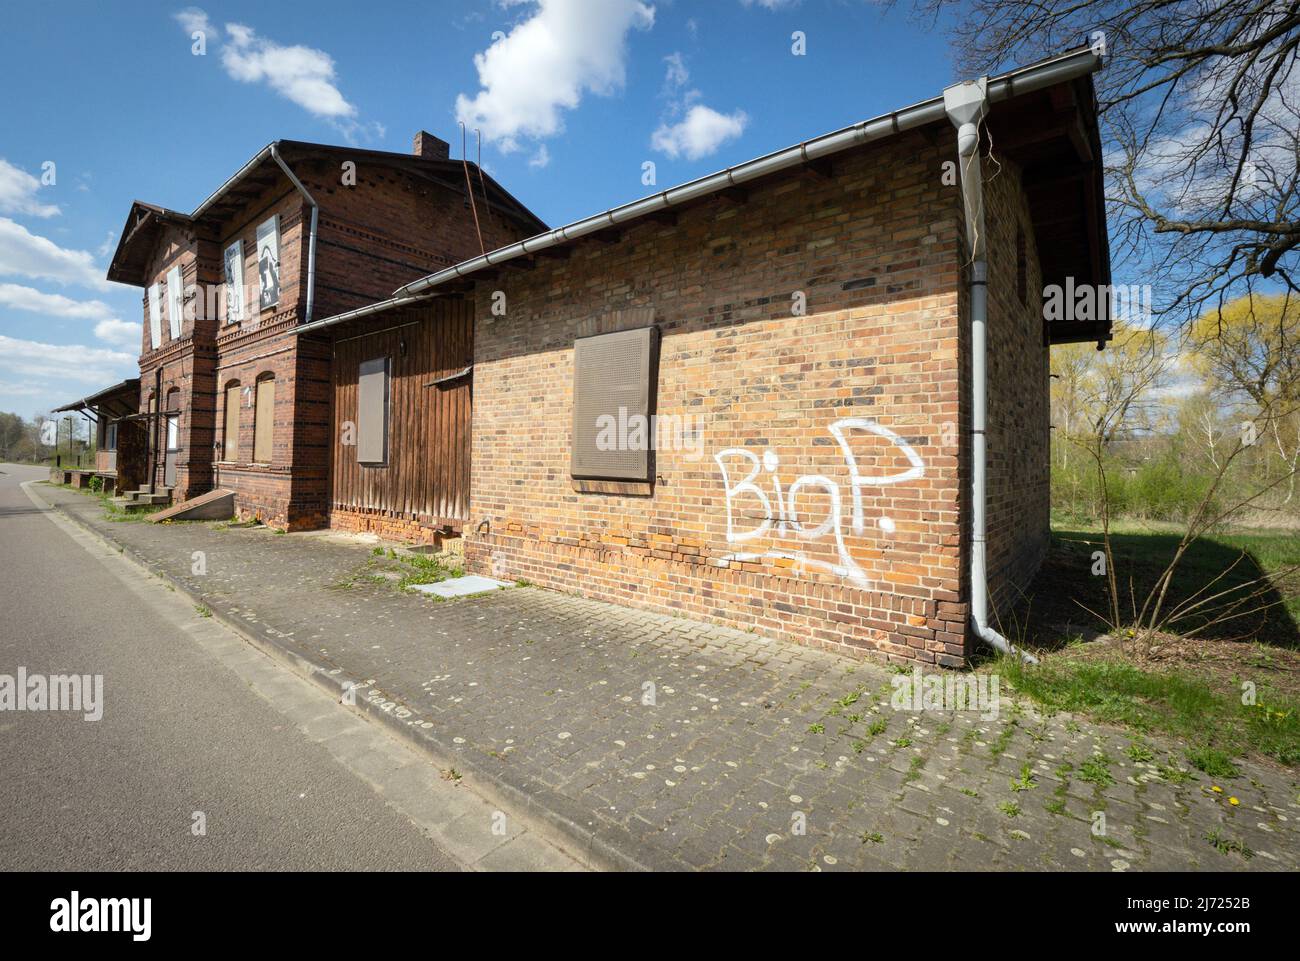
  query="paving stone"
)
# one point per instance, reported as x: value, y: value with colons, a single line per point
x: 542, y: 691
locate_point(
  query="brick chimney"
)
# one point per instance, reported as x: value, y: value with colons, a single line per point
x: 428, y: 146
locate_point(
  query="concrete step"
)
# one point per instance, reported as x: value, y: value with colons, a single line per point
x: 133, y: 504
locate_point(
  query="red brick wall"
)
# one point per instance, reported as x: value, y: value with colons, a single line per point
x: 875, y: 250
x: 261, y: 345
x: 1019, y: 492
x: 186, y: 362
x: 388, y: 229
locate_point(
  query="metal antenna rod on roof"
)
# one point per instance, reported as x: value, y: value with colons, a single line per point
x: 469, y: 186
x: 487, y: 206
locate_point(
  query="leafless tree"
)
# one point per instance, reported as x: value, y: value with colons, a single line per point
x: 1200, y: 110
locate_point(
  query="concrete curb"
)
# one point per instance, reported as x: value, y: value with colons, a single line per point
x: 605, y: 849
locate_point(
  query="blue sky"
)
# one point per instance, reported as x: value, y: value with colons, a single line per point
x: 574, y: 96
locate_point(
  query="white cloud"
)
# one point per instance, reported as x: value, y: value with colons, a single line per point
x: 110, y: 329
x: 18, y: 192
x: 34, y: 301
x: 25, y: 254
x: 770, y: 4
x: 677, y: 76
x: 195, y: 20
x: 77, y: 362
x: 701, y: 129
x: 120, y: 333
x: 700, y: 133
x: 541, y: 159
x: 301, y: 74
x: 545, y: 65
x: 109, y: 244
x: 20, y: 390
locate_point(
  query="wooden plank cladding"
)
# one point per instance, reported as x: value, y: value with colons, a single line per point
x: 424, y: 478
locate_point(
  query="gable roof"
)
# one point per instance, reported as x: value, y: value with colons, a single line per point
x: 260, y: 172
x: 1050, y: 107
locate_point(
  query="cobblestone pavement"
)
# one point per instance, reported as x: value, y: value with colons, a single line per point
x: 753, y: 754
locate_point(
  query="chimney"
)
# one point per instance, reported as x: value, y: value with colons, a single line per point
x: 429, y: 147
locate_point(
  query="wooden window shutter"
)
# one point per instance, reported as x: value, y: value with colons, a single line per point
x: 235, y: 282
x: 264, y: 421
x: 175, y: 301
x: 268, y: 262
x: 613, y: 384
x: 231, y: 433
x: 155, y: 316
x: 372, y: 412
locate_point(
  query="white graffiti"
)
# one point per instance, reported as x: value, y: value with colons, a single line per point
x: 779, y: 507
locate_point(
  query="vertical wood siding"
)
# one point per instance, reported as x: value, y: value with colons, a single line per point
x: 426, y: 478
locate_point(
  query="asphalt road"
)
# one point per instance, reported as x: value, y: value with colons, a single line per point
x: 182, y: 732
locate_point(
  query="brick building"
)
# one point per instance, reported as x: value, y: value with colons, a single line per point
x: 799, y: 334
x: 234, y: 400
x: 807, y: 395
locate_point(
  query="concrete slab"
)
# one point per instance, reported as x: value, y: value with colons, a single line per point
x: 461, y: 586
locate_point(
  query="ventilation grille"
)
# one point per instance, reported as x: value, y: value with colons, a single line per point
x: 612, y: 379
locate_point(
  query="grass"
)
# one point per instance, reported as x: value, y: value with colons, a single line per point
x: 1217, y: 727
x: 1227, y: 846
x: 1026, y: 780
x: 423, y: 569
x: 1096, y: 770
x: 398, y: 570
x: 1213, y: 761
x: 111, y: 511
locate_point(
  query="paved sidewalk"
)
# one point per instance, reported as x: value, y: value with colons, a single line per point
x: 753, y: 755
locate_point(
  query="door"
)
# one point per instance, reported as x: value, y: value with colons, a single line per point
x: 173, y: 449
x: 152, y: 427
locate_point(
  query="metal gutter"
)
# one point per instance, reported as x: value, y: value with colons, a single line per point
x: 311, y: 241
x: 239, y: 175
x: 363, y: 312
x: 1066, y: 66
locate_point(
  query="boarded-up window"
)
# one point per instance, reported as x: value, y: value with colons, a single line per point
x: 230, y: 436
x: 235, y: 282
x: 155, y: 316
x: 268, y: 262
x: 264, y: 421
x: 613, y: 401
x: 175, y: 301
x: 372, y: 412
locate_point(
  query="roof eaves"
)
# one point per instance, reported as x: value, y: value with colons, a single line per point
x: 1065, y: 66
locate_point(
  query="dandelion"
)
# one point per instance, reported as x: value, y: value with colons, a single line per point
x: 1216, y: 789
x: 1233, y: 801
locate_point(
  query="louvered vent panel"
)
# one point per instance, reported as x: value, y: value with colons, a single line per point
x: 612, y: 378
